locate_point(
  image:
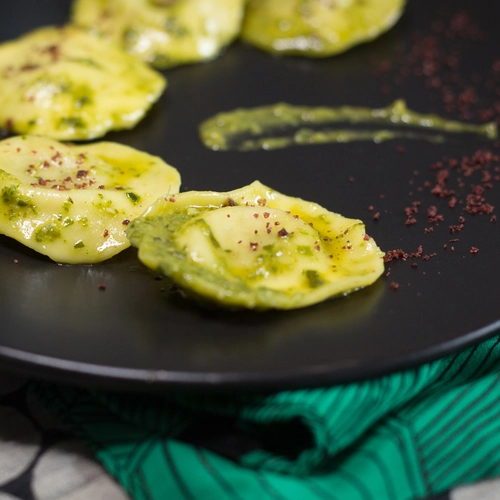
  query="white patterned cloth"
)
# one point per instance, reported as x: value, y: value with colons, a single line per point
x: 39, y: 457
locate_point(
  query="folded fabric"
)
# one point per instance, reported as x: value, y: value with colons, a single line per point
x: 398, y: 437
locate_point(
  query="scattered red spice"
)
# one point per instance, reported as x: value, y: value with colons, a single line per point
x: 125, y: 222
x: 463, y: 182
x: 476, y: 203
x: 394, y: 285
x: 15, y: 261
x: 433, y: 216
x: 434, y: 59
x: 456, y: 228
x: 376, y: 216
x: 474, y: 250
x: 101, y: 287
x: 428, y: 257
x: 29, y: 67
x: 254, y: 246
x: 81, y: 158
x: 398, y: 254
x: 54, y: 51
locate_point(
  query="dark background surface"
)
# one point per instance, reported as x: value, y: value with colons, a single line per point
x: 139, y: 334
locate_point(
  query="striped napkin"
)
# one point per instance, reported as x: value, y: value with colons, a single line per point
x: 399, y: 437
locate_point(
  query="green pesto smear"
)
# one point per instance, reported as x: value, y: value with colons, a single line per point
x: 282, y: 125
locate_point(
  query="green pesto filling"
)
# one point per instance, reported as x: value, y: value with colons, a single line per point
x: 157, y: 239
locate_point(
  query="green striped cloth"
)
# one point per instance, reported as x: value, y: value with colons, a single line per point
x: 403, y: 436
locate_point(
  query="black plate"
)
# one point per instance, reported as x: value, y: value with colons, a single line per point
x: 139, y: 333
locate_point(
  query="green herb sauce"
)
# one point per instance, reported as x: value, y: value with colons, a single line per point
x: 49, y: 232
x: 134, y: 198
x: 16, y: 201
x: 282, y: 125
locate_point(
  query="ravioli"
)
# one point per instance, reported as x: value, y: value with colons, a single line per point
x: 255, y: 248
x: 317, y: 28
x: 164, y: 33
x: 73, y: 203
x: 65, y: 84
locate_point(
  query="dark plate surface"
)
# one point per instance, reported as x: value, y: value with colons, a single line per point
x: 139, y: 334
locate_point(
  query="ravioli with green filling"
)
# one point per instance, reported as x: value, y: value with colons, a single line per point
x: 164, y: 33
x: 73, y: 203
x: 317, y: 28
x: 255, y: 248
x: 65, y: 84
